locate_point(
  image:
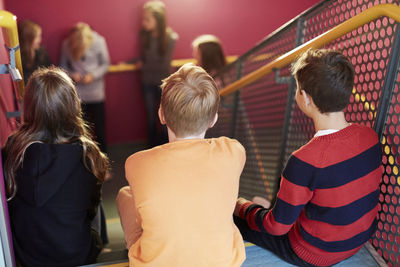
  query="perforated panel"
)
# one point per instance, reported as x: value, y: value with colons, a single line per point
x: 270, y: 137
x: 262, y: 112
x: 387, y: 237
x: 224, y: 124
x: 270, y: 49
x: 335, y: 12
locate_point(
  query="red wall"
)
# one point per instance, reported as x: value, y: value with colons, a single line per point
x: 6, y: 95
x: 239, y: 24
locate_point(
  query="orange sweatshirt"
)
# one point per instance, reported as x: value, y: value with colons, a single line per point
x: 185, y: 193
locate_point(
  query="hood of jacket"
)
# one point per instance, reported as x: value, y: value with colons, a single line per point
x: 45, y: 168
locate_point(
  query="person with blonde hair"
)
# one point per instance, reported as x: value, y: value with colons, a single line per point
x: 33, y: 55
x: 157, y: 45
x: 177, y: 209
x: 84, y: 55
x: 53, y: 173
x: 208, y: 52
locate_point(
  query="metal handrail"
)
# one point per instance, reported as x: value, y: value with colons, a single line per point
x: 175, y: 63
x: 9, y: 22
x: 389, y: 10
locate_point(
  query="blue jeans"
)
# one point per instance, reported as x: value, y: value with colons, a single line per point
x: 279, y: 245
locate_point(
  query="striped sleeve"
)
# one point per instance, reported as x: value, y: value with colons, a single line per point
x: 294, y: 193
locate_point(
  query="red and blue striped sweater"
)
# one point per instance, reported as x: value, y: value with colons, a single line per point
x: 328, y: 197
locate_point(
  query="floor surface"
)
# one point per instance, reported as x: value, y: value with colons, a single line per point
x: 117, y: 154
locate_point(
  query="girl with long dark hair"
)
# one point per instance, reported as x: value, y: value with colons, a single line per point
x: 53, y: 172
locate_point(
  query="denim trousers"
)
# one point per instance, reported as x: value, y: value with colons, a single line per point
x: 279, y: 245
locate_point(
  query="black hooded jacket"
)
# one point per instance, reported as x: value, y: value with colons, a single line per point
x: 51, y: 214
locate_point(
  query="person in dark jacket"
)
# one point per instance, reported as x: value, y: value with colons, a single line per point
x: 53, y: 172
x: 33, y: 54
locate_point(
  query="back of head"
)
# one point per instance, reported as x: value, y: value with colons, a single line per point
x: 211, y: 53
x: 327, y: 76
x: 52, y: 109
x: 189, y: 101
x: 80, y: 38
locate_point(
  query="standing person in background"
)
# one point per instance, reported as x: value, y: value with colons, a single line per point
x: 208, y: 52
x: 53, y: 174
x: 84, y: 55
x: 33, y: 55
x: 157, y: 46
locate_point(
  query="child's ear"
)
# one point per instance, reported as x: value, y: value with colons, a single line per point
x: 214, y: 121
x: 161, y: 116
x: 306, y: 97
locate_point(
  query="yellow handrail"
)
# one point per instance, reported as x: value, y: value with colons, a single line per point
x: 9, y: 22
x: 389, y: 10
x: 176, y: 63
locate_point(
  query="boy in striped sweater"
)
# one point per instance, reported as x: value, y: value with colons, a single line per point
x: 327, y: 204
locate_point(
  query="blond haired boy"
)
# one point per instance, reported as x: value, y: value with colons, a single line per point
x: 177, y: 209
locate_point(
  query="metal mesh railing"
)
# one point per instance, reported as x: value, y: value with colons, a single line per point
x: 263, y: 116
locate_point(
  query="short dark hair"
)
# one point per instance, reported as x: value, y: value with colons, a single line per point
x: 327, y: 76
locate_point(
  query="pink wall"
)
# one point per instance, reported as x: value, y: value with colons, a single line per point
x: 239, y: 24
x: 6, y: 96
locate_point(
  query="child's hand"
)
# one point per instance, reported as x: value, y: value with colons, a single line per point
x: 239, y: 203
x: 262, y: 201
x: 88, y: 78
x: 76, y: 77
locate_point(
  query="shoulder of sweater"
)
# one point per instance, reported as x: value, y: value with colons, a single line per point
x: 368, y: 130
x: 231, y: 142
x: 96, y: 35
x: 356, y: 138
x: 140, y: 155
x: 98, y: 39
x: 174, y: 36
x: 228, y: 143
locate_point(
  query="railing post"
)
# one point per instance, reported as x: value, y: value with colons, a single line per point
x: 289, y: 105
x: 388, y: 84
x: 11, y: 69
x: 236, y: 99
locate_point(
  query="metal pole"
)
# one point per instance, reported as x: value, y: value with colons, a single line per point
x: 388, y: 84
x: 236, y: 99
x: 289, y: 106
